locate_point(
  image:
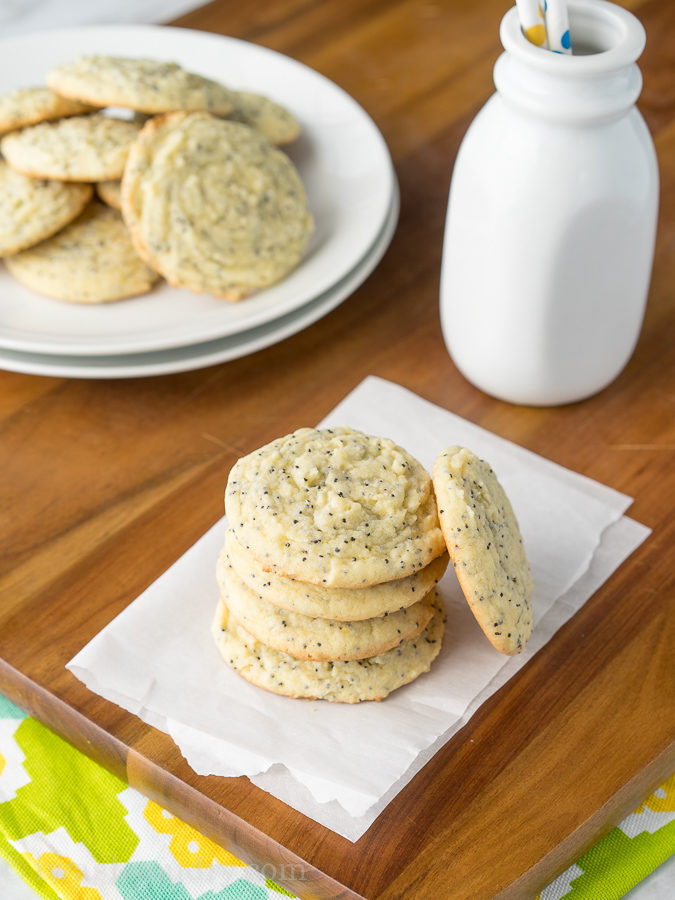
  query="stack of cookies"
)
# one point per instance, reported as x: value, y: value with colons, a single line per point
x: 336, y: 541
x: 194, y: 187
x: 327, y: 576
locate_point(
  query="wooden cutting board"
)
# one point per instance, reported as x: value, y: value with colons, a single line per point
x: 104, y: 484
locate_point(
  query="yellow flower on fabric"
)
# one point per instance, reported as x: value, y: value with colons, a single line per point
x: 663, y: 798
x: 189, y: 848
x: 63, y: 876
x: 2, y: 763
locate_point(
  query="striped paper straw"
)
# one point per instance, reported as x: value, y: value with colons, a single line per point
x: 557, y: 26
x: 532, y: 21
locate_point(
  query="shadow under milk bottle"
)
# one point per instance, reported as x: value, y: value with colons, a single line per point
x: 551, y: 221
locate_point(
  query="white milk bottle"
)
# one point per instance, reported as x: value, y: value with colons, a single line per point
x: 551, y: 221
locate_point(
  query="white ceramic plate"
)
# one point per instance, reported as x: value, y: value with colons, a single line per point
x: 342, y: 158
x: 198, y: 356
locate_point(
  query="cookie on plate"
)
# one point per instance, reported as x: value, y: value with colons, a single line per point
x: 350, y: 681
x: 146, y: 85
x: 213, y: 206
x: 110, y: 192
x: 81, y: 148
x: 334, y: 507
x: 92, y: 260
x: 317, y: 638
x: 28, y: 106
x: 274, y: 121
x: 485, y: 546
x: 342, y: 604
x: 32, y: 210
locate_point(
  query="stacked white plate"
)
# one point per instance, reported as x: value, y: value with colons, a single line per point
x: 351, y: 187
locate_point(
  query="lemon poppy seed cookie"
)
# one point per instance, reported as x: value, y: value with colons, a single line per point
x: 32, y: 210
x: 82, y: 148
x: 91, y: 260
x: 485, y: 546
x: 28, y: 106
x: 145, y: 85
x: 111, y: 193
x: 342, y: 604
x: 274, y: 121
x: 334, y: 507
x: 350, y: 681
x: 213, y: 206
x: 317, y: 638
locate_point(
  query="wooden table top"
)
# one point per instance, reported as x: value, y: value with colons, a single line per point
x: 103, y: 484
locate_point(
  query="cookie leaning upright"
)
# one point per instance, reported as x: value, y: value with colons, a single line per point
x: 485, y: 545
x: 213, y: 206
x: 334, y: 507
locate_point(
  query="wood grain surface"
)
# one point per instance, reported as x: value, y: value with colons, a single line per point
x: 103, y: 484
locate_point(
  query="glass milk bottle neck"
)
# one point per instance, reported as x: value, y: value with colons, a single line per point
x: 598, y: 82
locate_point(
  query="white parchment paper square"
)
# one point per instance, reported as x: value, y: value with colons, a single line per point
x: 341, y: 764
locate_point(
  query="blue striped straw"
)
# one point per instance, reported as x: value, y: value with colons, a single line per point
x: 532, y: 21
x: 557, y: 26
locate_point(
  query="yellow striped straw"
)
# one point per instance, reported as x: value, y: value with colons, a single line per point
x: 532, y: 21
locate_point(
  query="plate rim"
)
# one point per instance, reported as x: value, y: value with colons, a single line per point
x: 296, y: 321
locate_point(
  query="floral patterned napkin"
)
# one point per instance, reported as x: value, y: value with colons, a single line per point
x: 109, y: 842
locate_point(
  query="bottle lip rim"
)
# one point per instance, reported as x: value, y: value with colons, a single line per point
x: 619, y: 35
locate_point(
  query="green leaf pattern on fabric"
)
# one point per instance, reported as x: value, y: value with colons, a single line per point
x: 105, y: 841
x: 48, y: 801
x: 630, y: 852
